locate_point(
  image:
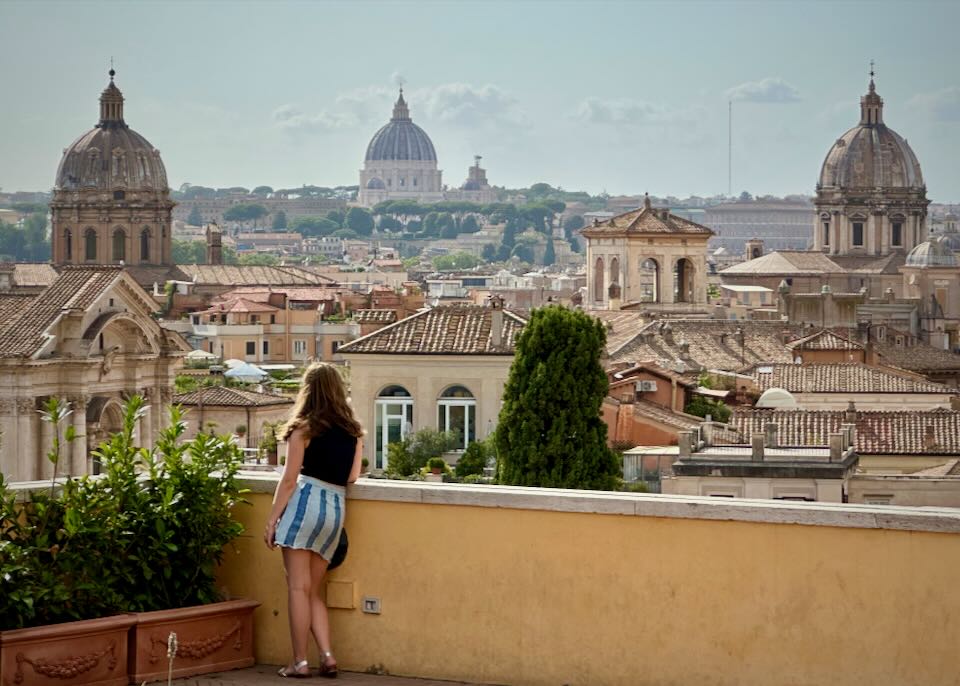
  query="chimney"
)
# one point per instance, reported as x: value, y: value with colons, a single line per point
x: 929, y: 437
x: 850, y: 417
x: 496, y: 321
x: 667, y: 333
x: 848, y: 435
x: 214, y: 244
x: 756, y: 447
x: 836, y: 447
x: 772, y: 440
x: 685, y: 442
x: 684, y: 349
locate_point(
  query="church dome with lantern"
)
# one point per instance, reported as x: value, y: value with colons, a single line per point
x: 111, y: 155
x: 111, y: 201
x: 871, y: 198
x: 400, y: 162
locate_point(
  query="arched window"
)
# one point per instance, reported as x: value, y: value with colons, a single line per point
x: 649, y: 276
x: 67, y: 244
x: 145, y: 245
x: 683, y: 281
x: 598, y: 280
x: 457, y: 412
x: 90, y: 245
x: 393, y: 415
x: 119, y: 245
x: 614, y: 270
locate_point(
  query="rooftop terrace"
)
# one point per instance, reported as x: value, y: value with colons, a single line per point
x: 507, y: 585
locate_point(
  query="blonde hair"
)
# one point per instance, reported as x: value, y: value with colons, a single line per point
x: 321, y: 403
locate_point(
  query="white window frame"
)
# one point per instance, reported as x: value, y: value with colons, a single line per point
x: 445, y: 404
x: 299, y: 346
x: 382, y: 419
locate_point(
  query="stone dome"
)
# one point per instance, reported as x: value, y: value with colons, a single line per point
x: 932, y: 253
x: 111, y: 156
x: 376, y: 183
x: 401, y: 139
x: 776, y: 397
x: 871, y: 155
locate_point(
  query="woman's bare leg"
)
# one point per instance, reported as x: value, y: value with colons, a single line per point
x: 299, y: 583
x: 319, y: 621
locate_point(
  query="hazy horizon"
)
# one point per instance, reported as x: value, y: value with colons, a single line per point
x: 624, y: 97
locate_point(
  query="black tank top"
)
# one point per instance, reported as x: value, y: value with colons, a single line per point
x: 329, y: 456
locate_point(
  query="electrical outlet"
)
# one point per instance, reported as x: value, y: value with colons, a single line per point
x: 371, y: 605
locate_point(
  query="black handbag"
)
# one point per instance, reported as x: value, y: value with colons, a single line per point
x: 340, y: 554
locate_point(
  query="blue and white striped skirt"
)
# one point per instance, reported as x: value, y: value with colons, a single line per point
x: 313, y: 517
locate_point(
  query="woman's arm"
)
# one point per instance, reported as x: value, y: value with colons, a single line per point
x: 357, y: 462
x: 288, y: 481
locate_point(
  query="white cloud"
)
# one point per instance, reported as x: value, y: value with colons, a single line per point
x: 624, y: 111
x: 466, y: 105
x: 942, y: 105
x: 456, y: 104
x: 768, y: 90
x: 292, y: 120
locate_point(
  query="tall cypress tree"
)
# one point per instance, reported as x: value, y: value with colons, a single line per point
x: 550, y: 254
x: 550, y: 432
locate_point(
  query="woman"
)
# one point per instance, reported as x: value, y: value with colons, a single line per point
x: 323, y: 456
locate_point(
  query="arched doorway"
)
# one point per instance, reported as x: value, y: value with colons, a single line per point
x: 104, y: 419
x: 649, y: 281
x: 683, y: 272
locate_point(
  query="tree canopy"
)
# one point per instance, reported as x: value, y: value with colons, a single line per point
x: 245, y: 212
x: 550, y: 432
x: 195, y: 218
x: 280, y: 221
x: 360, y: 221
x: 459, y: 260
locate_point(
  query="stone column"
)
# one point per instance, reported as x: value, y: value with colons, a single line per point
x: 78, y: 447
x: 883, y: 227
x: 27, y: 458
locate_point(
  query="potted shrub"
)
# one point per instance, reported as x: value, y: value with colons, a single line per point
x: 268, y: 443
x: 436, y: 465
x: 126, y: 550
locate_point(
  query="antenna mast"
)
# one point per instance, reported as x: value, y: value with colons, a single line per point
x: 730, y: 147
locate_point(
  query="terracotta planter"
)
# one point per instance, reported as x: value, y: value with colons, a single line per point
x: 210, y: 638
x: 92, y: 652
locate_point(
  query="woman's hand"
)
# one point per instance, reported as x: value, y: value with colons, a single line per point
x: 269, y: 534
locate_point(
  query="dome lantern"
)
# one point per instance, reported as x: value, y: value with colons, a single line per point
x: 111, y: 106
x: 871, y: 104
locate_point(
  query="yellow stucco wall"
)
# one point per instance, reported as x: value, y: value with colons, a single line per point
x: 527, y: 596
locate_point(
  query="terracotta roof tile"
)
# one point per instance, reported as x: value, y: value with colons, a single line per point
x: 28, y: 274
x: 23, y: 329
x: 842, y: 377
x: 223, y: 396
x: 445, y: 330
x: 663, y: 415
x: 712, y: 344
x: 786, y: 263
x: 248, y: 275
x: 824, y: 340
x: 646, y: 220
x: 877, y: 432
x: 374, y: 316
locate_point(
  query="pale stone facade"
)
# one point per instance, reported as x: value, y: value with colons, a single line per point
x: 89, y: 338
x: 646, y: 256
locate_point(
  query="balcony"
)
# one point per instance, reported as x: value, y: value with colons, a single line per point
x: 506, y: 585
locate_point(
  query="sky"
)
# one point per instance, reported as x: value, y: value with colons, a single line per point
x: 622, y: 97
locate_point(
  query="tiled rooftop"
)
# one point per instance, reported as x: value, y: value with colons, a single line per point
x: 445, y: 330
x: 646, y: 220
x: 24, y: 321
x: 235, y: 275
x: 877, y: 432
x: 223, y: 396
x: 845, y: 377
x: 787, y: 263
x: 824, y: 340
x: 374, y: 316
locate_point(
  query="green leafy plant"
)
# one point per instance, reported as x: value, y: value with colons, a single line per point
x: 146, y: 534
x: 474, y: 458
x: 409, y: 456
x: 701, y: 406
x: 436, y: 463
